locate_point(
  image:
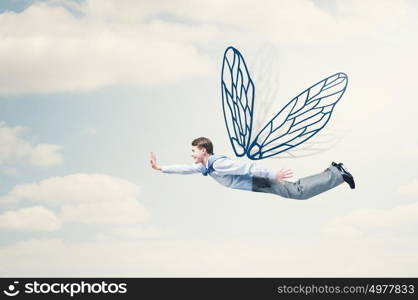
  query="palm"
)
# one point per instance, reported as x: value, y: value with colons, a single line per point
x: 153, y: 161
x: 283, y: 174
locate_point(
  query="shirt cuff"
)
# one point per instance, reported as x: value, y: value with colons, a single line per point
x: 271, y: 176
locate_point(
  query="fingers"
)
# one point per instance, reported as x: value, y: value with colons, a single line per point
x: 286, y: 173
x: 153, y: 156
x: 153, y: 159
x: 283, y: 174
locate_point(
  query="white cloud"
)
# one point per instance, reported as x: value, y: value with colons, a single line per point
x: 45, y: 155
x: 136, y: 232
x: 15, y: 149
x: 76, y: 188
x: 85, y: 198
x: 119, y: 212
x: 231, y: 257
x: 410, y: 189
x: 410, y: 150
x: 46, y: 48
x: 308, y: 22
x: 364, y: 221
x: 55, y: 47
x: 36, y: 218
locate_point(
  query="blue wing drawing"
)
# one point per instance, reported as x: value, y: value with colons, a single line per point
x: 302, y: 118
x: 237, y: 100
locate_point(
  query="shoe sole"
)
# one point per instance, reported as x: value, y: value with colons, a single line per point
x: 343, y: 168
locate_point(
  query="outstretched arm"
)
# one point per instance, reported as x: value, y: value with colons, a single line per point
x: 175, y: 169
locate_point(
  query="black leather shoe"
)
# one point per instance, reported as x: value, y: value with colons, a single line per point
x: 346, y: 175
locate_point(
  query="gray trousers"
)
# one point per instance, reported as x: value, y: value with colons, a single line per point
x: 302, y: 189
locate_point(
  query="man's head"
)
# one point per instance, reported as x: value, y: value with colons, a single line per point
x: 201, y: 148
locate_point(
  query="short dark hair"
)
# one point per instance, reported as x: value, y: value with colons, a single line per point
x: 203, y: 142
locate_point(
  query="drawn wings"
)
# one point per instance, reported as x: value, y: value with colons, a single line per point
x: 237, y: 100
x: 302, y: 118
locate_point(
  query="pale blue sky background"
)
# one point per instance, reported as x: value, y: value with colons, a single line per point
x: 97, y: 85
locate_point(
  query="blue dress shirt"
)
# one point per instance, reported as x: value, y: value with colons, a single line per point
x: 230, y: 173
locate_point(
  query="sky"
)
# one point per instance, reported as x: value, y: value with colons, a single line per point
x: 89, y: 88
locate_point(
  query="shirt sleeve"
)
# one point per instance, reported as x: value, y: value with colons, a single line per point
x: 227, y: 166
x: 182, y: 169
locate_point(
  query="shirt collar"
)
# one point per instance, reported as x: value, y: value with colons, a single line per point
x: 207, y: 163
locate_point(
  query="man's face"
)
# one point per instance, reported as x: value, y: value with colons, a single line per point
x: 198, y: 154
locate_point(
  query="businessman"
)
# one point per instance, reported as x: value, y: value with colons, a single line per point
x: 248, y: 176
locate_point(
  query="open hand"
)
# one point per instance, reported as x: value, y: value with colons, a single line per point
x: 153, y: 162
x: 283, y: 174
